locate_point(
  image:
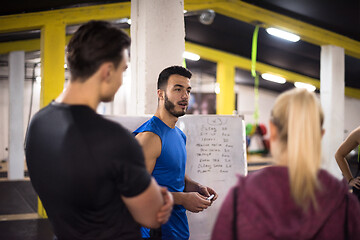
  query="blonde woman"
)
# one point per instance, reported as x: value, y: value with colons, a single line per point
x: 351, y: 142
x: 294, y: 199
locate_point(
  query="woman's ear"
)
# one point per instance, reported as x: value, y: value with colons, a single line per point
x: 273, y: 131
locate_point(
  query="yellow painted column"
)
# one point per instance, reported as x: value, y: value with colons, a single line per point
x: 225, y: 79
x: 52, y: 47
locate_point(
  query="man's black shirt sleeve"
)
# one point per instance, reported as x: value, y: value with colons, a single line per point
x: 131, y: 174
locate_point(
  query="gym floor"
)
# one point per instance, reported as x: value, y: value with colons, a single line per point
x: 18, y: 213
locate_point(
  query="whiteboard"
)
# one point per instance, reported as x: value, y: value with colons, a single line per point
x: 131, y: 123
x: 216, y: 152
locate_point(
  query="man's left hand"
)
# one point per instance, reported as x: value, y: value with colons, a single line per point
x: 207, y: 191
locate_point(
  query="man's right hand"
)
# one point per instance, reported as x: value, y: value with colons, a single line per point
x: 165, y: 211
x: 195, y: 202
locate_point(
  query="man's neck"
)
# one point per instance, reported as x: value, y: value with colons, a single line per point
x: 166, y: 117
x: 81, y: 93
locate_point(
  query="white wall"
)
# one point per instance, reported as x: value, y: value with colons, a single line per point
x: 352, y: 114
x: 246, y: 104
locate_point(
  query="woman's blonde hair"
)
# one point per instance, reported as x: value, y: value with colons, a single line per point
x: 298, y: 117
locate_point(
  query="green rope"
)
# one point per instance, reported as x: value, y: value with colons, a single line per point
x: 254, y: 51
x: 254, y: 74
x: 184, y: 63
x: 256, y: 90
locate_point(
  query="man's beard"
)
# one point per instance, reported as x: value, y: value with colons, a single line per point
x: 170, y: 107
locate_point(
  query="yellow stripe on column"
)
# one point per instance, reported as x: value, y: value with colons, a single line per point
x: 52, y: 61
x: 52, y: 47
x: 41, y: 209
x: 225, y: 78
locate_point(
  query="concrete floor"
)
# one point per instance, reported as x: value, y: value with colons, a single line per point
x: 18, y: 213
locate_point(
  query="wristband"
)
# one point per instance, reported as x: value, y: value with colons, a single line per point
x: 350, y: 180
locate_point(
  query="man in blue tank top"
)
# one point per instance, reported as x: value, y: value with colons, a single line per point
x: 165, y: 154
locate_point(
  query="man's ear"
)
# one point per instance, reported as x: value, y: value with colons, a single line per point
x: 322, y: 132
x: 161, y: 94
x: 106, y: 70
x: 273, y: 131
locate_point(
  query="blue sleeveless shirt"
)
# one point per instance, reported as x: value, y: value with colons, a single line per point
x: 169, y: 171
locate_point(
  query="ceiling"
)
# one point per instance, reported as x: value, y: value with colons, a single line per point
x: 233, y: 36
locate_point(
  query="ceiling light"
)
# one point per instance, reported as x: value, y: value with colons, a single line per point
x: 307, y: 86
x: 65, y: 66
x: 273, y: 78
x: 282, y: 34
x: 191, y: 56
x: 129, y: 21
x: 207, y: 17
x: 185, y: 11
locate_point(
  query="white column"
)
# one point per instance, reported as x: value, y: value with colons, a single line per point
x: 332, y: 82
x: 16, y: 115
x: 158, y: 41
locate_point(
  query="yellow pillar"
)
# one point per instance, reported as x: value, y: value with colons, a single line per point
x: 52, y: 47
x: 225, y: 78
